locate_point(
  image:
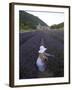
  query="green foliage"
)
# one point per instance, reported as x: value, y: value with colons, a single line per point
x: 57, y: 26
x: 29, y: 21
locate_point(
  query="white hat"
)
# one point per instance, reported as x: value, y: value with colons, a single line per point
x: 42, y: 49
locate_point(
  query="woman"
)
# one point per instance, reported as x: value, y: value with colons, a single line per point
x: 42, y: 58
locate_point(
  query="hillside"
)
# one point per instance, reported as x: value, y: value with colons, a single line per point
x: 57, y: 26
x: 29, y: 21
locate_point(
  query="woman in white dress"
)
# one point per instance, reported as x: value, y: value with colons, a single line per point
x: 42, y: 58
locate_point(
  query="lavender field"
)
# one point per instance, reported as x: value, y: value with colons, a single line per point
x: 29, y: 43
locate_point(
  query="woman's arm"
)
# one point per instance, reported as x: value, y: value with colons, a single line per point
x: 47, y: 54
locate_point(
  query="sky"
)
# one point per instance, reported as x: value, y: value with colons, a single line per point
x: 49, y: 18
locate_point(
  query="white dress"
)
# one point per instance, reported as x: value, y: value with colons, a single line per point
x: 40, y: 64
